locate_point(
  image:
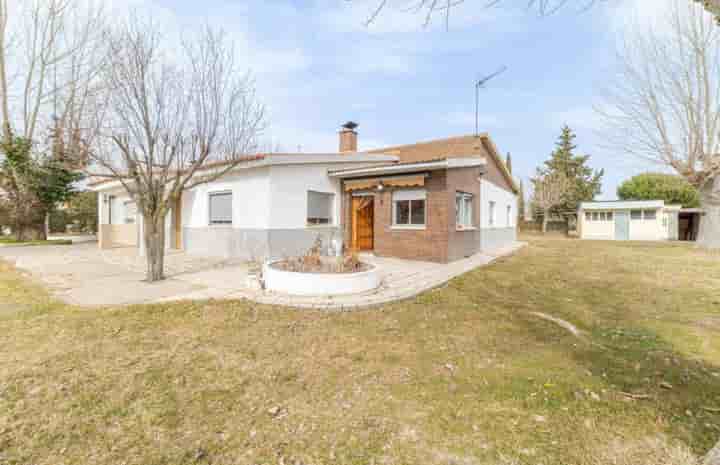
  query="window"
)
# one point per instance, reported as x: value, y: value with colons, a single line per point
x: 650, y: 214
x: 110, y: 200
x: 508, y: 216
x: 596, y: 216
x: 221, y: 208
x: 130, y: 211
x: 491, y: 214
x: 320, y: 207
x: 409, y: 208
x: 588, y: 216
x: 463, y: 210
x: 636, y: 214
x: 609, y: 216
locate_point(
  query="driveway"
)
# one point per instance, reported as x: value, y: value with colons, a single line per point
x: 84, y: 275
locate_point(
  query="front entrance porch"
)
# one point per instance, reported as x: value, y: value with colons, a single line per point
x: 362, y: 224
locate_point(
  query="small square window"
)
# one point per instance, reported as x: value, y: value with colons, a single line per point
x: 609, y: 216
x: 221, y: 208
x: 588, y: 216
x: 636, y: 214
x: 130, y: 212
x: 409, y: 208
x: 319, y: 208
x: 463, y: 210
x: 491, y: 214
x: 596, y: 216
x: 650, y: 214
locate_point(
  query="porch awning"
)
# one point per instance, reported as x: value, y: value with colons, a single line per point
x: 395, y: 181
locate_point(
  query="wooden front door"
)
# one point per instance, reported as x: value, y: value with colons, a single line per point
x: 363, y: 214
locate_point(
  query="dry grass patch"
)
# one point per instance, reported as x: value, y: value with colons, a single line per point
x: 460, y: 375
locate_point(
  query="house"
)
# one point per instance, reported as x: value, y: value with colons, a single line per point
x: 642, y: 220
x: 438, y: 201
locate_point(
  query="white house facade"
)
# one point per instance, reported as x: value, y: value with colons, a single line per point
x: 457, y: 200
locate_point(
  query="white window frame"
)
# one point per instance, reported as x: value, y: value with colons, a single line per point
x: 132, y: 219
x: 645, y: 212
x: 464, y: 203
x: 491, y: 213
x: 636, y: 219
x: 232, y: 208
x: 409, y: 195
x: 331, y: 219
x: 508, y: 217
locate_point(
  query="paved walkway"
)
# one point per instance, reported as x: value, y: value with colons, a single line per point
x: 401, y: 279
x: 81, y: 274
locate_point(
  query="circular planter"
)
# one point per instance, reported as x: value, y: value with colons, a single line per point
x: 292, y: 282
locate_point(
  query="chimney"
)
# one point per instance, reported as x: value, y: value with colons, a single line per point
x: 348, y: 137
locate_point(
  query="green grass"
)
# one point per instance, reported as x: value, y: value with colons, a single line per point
x: 463, y: 374
x: 9, y: 241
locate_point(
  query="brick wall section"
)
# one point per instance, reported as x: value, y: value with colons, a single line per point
x: 429, y: 244
x: 463, y: 146
x: 465, y: 242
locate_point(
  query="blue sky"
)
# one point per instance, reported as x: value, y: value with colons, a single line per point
x: 317, y: 65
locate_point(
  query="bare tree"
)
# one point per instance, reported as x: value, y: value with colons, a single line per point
x: 430, y: 9
x: 172, y: 122
x: 49, y: 64
x: 433, y: 8
x: 549, y: 192
x: 665, y: 105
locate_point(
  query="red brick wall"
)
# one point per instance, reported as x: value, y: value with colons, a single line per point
x: 465, y: 242
x: 463, y: 146
x: 429, y: 244
x: 439, y: 241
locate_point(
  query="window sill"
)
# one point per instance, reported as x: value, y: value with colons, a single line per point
x: 465, y: 228
x: 401, y: 227
x: 320, y: 226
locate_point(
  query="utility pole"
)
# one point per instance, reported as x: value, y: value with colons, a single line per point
x: 478, y: 85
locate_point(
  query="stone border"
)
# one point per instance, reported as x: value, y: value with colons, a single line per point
x: 309, y: 284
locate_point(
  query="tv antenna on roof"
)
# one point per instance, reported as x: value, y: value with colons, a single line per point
x: 479, y: 84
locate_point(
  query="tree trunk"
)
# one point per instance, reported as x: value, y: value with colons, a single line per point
x: 154, y: 237
x: 713, y: 457
x: 546, y: 213
x: 709, y: 232
x: 46, y: 229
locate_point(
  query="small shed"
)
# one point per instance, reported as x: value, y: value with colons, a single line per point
x: 637, y: 220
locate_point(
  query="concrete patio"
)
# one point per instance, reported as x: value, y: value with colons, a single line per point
x: 81, y: 274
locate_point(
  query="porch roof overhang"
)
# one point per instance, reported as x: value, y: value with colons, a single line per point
x: 408, y: 168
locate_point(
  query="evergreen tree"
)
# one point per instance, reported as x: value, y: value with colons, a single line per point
x: 585, y: 183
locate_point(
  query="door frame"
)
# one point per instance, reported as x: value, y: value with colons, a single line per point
x: 626, y: 215
x: 353, y: 221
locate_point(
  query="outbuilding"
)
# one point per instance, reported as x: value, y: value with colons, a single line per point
x: 637, y: 220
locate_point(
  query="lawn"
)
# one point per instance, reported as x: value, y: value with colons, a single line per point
x: 464, y: 374
x: 10, y: 241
